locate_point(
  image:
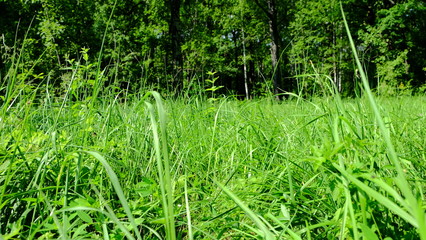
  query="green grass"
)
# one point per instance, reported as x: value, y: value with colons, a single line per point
x: 227, y: 169
x: 82, y: 164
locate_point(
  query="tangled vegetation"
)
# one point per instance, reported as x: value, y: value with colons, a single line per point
x: 89, y: 161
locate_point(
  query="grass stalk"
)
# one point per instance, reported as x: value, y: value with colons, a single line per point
x: 266, y: 233
x: 99, y: 74
x: 415, y: 214
x: 188, y: 211
x: 163, y: 165
x: 118, y: 190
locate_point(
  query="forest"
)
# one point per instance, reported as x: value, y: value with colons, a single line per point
x: 213, y: 119
x: 251, y: 47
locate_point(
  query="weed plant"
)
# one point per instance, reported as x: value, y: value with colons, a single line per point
x: 188, y: 168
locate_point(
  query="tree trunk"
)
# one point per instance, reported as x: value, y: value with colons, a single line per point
x: 275, y: 45
x: 175, y: 44
x: 246, y: 90
x: 271, y: 13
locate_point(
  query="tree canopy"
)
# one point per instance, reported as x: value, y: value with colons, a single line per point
x: 253, y: 47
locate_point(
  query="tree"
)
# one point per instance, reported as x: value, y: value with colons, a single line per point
x: 319, y: 46
x: 277, y: 15
x: 396, y: 44
x: 173, y: 44
x: 175, y: 36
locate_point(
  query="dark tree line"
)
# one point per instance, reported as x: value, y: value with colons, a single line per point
x: 254, y: 47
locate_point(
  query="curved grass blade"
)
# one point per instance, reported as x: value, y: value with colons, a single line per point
x: 391, y: 205
x: 416, y: 216
x: 268, y: 235
x: 117, y: 187
x: 163, y: 165
x: 111, y: 216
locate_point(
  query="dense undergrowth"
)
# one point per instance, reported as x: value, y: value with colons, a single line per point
x: 75, y: 172
x: 89, y: 163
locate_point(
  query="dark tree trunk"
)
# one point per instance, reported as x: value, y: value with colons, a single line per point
x: 175, y: 44
x: 276, y: 42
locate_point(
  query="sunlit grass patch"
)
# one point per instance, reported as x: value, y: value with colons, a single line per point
x: 278, y: 165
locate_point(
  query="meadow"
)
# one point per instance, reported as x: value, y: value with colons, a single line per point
x: 144, y: 167
x: 225, y: 169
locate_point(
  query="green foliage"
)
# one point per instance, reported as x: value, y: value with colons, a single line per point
x: 84, y: 155
x: 232, y: 37
x: 80, y: 79
x: 319, y: 48
x: 410, y: 204
x: 74, y: 170
x: 212, y: 88
x: 393, y: 42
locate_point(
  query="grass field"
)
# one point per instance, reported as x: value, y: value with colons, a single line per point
x: 194, y: 169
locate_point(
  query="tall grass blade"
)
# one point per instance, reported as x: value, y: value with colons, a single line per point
x: 163, y: 165
x: 111, y: 216
x: 290, y: 232
x: 379, y: 197
x: 268, y: 235
x: 99, y: 74
x: 188, y: 211
x: 118, y: 190
x: 415, y: 208
x: 61, y: 229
